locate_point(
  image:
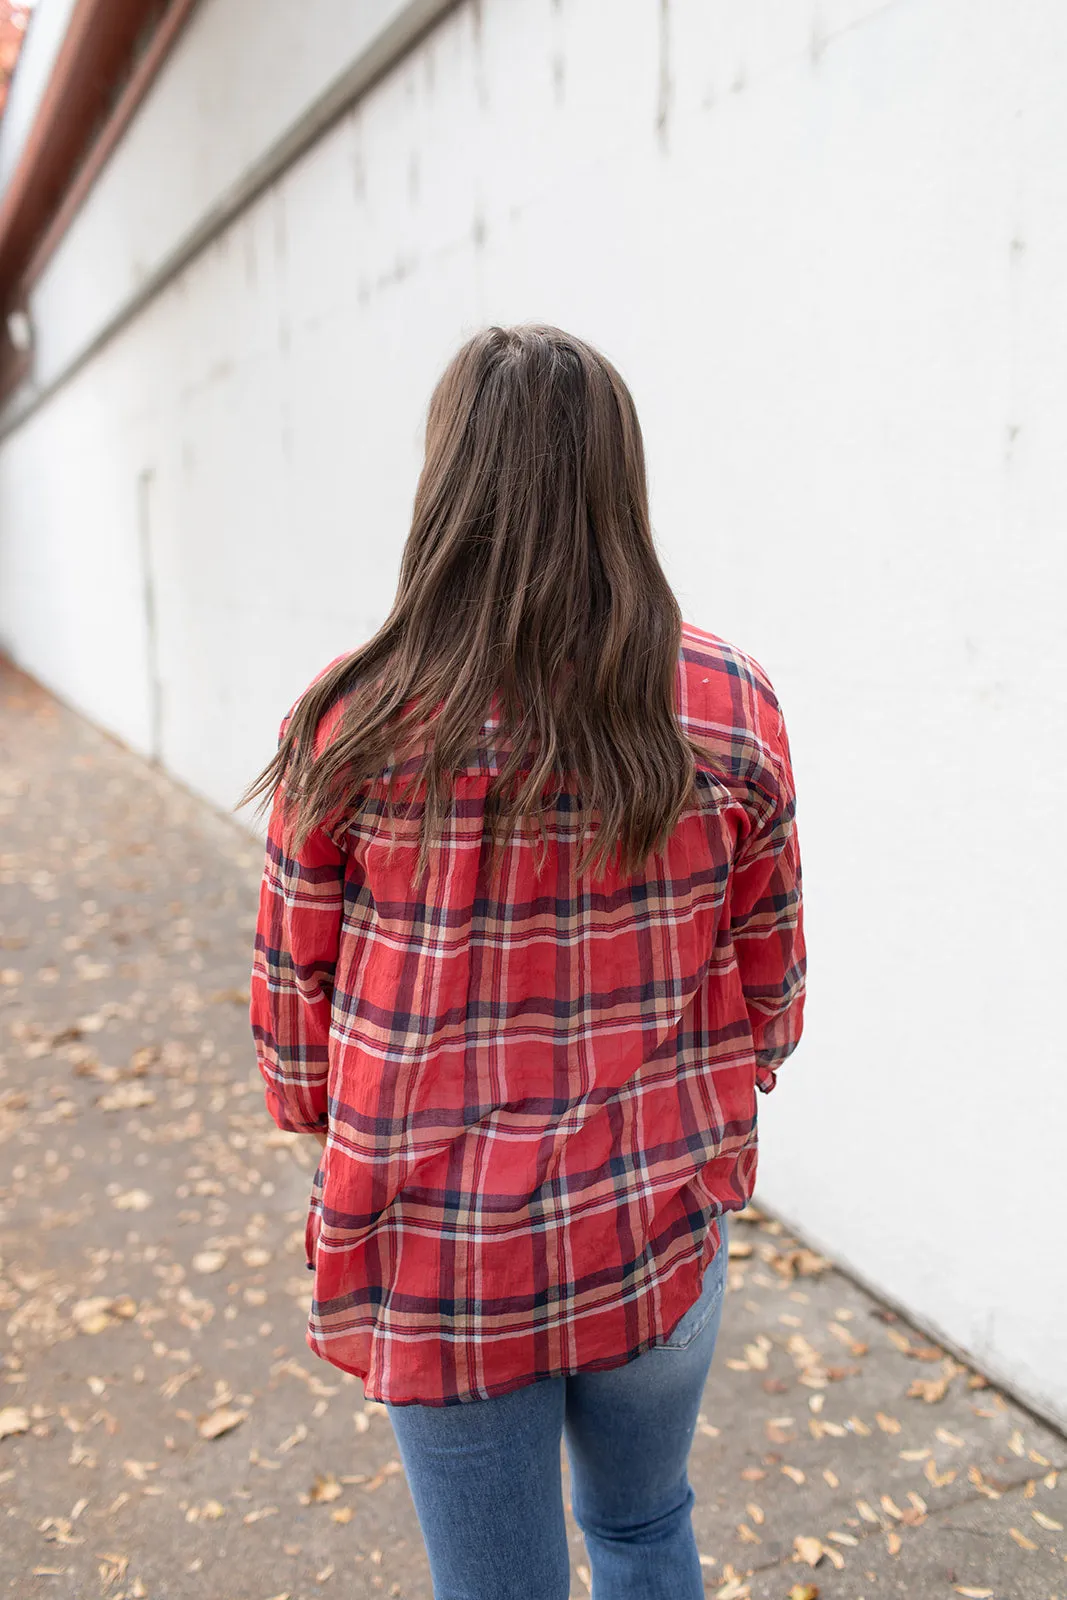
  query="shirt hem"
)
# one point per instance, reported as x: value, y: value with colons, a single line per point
x: 493, y: 1391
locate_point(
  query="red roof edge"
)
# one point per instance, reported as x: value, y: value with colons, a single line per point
x: 81, y: 117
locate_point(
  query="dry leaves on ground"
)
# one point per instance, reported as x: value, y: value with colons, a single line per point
x: 810, y: 1550
x: 324, y: 1488
x: 213, y: 1424
x: 13, y: 1419
x: 206, y: 1261
x: 98, y: 1312
x: 127, y: 1097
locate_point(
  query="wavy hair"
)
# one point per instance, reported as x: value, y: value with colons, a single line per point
x: 529, y: 583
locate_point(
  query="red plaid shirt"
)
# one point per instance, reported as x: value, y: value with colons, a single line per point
x: 539, y: 1094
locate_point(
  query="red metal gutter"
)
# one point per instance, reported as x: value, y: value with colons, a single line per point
x: 98, y: 43
x: 159, y: 46
x: 77, y: 126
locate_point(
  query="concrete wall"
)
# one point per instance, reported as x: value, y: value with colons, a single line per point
x: 827, y: 246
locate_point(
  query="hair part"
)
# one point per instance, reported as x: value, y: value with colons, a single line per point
x: 529, y: 574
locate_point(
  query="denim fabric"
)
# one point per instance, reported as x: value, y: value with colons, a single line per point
x: 486, y: 1475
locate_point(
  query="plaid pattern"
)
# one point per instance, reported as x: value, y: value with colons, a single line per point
x: 540, y: 1093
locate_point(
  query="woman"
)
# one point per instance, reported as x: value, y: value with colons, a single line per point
x: 530, y: 938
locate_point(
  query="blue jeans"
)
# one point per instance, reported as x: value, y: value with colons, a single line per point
x: 486, y: 1479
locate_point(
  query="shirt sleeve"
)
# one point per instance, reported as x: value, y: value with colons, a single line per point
x: 767, y: 924
x: 296, y: 949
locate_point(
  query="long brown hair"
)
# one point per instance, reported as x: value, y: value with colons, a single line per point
x: 529, y: 574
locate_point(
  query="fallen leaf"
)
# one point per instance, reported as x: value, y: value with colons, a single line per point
x: 101, y: 1311
x: 790, y: 1264
x: 803, y: 1591
x: 1047, y: 1522
x: 215, y: 1423
x: 127, y: 1097
x: 856, y: 1346
x: 14, y: 1419
x: 298, y: 1435
x: 343, y: 1514
x: 388, y: 1471
x: 1021, y: 1540
x: 931, y: 1390
x: 91, y: 1315
x: 887, y: 1424
x: 132, y: 1200
x: 917, y: 1352
x: 975, y: 1594
x: 893, y: 1542
x: 807, y: 1264
x: 936, y: 1479
x: 324, y: 1488
x: 794, y: 1473
x: 57, y: 1530
x: 209, y: 1261
x: 739, y: 1249
x: 112, y: 1568
x: 809, y: 1550
x: 980, y: 1484
x: 843, y: 1538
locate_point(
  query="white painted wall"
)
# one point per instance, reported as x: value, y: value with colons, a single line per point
x: 231, y: 89
x: 827, y: 246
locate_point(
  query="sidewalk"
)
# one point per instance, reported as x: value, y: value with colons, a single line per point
x: 166, y: 1434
